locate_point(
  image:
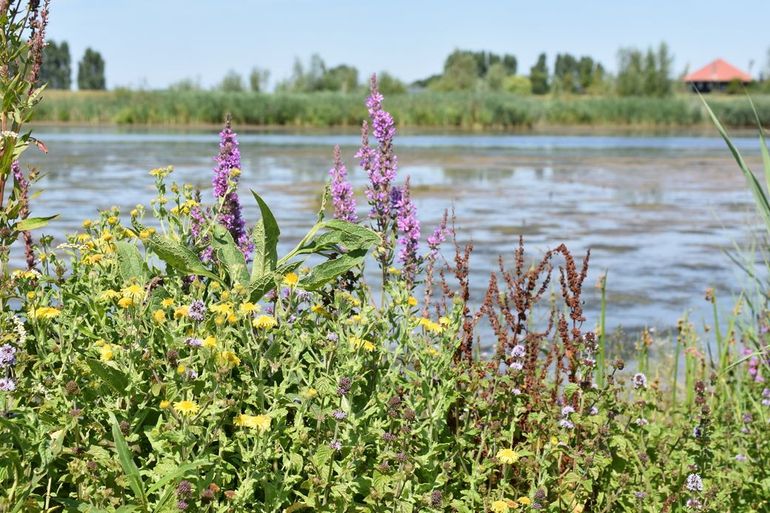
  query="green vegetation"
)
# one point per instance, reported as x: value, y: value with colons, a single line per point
x: 91, y: 71
x: 56, y: 70
x: 428, y: 109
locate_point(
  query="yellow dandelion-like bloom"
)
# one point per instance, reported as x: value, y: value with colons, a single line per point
x: 502, y: 506
x: 264, y: 322
x: 125, y: 302
x: 146, y: 233
x: 394, y: 271
x: 225, y: 295
x: 432, y: 351
x: 164, y: 405
x: 99, y: 342
x: 524, y: 500
x: 44, y: 313
x: 248, y: 308
x: 508, y: 456
x: 159, y: 316
x: 167, y: 302
x: 181, y: 312
x: 93, y: 259
x: 161, y: 172
x: 319, y: 310
x: 309, y: 393
x: 135, y: 292
x: 411, y: 301
x: 31, y: 295
x: 429, y: 325
x: 209, y: 342
x: 232, y: 318
x: 187, y: 407
x: 87, y: 223
x: 354, y: 319
x: 82, y: 237
x: 112, y: 220
x: 259, y: 422
x: 106, y: 353
x: 444, y: 321
x: 228, y: 359
x: 291, y: 279
x: 222, y: 308
x: 554, y: 441
x: 358, y: 343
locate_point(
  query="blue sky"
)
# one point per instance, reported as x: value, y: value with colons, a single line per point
x: 151, y: 43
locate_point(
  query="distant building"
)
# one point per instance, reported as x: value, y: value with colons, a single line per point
x: 716, y: 76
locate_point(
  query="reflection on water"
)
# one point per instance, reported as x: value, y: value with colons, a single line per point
x: 655, y: 211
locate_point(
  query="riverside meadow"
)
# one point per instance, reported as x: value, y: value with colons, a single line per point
x: 178, y: 355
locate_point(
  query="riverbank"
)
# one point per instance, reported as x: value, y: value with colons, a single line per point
x: 428, y: 110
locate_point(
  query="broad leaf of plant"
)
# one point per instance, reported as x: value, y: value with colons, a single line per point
x: 327, y: 271
x: 34, y: 223
x: 176, y: 254
x: 112, y: 377
x: 230, y: 255
x: 266, y: 236
x: 130, y: 262
x: 127, y: 462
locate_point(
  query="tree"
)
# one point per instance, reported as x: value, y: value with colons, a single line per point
x: 538, y: 75
x: 232, y: 82
x: 258, y: 79
x: 389, y: 84
x: 341, y: 78
x: 461, y: 72
x: 56, y: 70
x: 91, y: 71
x: 647, y: 74
x: 496, y: 75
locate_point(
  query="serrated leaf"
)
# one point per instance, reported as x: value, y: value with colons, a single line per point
x: 176, y: 254
x: 230, y: 255
x: 130, y: 262
x: 266, y: 236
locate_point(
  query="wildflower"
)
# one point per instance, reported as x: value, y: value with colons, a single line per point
x: 186, y: 407
x: 228, y: 359
x: 109, y: 295
x: 394, y: 271
x: 164, y: 405
x: 248, y: 308
x: 593, y: 411
x: 359, y: 343
x: 291, y: 279
x: 339, y: 414
x: 125, y: 302
x: 697, y: 432
x: 7, y: 385
x: 516, y: 366
x: 7, y: 355
x: 641, y: 421
x: 430, y: 325
x: 264, y: 322
x: 181, y: 369
x: 197, y: 310
x: 524, y: 500
x: 694, y: 503
x: 193, y: 342
x: 503, y: 506
x: 411, y: 301
x: 409, y: 226
x: 159, y: 316
x: 341, y: 191
x: 335, y: 444
x: 44, y: 313
x: 566, y: 424
x: 507, y: 456
x: 437, y: 237
x: 106, y: 353
x: 518, y: 351
x: 640, y: 380
x: 567, y: 411
x: 436, y: 498
x: 343, y: 386
x: 516, y: 391
x: 224, y: 184
x: 309, y: 393
x: 181, y: 312
x: 209, y: 342
x: 259, y: 422
x: 694, y: 483
x: 133, y: 292
x: 740, y: 458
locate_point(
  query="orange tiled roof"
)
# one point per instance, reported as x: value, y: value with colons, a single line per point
x: 718, y: 71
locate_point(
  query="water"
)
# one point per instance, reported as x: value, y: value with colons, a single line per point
x: 657, y: 212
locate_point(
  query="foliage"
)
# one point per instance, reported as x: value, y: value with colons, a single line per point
x: 318, y: 77
x: 258, y: 79
x: 56, y: 70
x: 91, y: 71
x: 647, y: 74
x: 574, y: 75
x: 538, y: 76
x: 232, y: 82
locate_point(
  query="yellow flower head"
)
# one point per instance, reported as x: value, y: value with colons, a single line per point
x: 228, y: 359
x: 44, y: 313
x: 264, y: 322
x: 309, y: 393
x: 503, y: 506
x: 165, y: 404
x: 508, y: 456
x: 222, y: 308
x: 125, y: 302
x: 181, y: 312
x: 107, y: 353
x: 87, y: 223
x: 109, y: 295
x: 524, y: 500
x: 319, y: 310
x: 291, y: 279
x: 429, y: 325
x: 394, y: 271
x: 357, y: 343
x: 159, y: 316
x: 259, y: 422
x: 411, y: 301
x: 187, y: 407
x: 167, y: 302
x: 248, y: 308
x: 209, y: 342
x: 180, y: 369
x: 134, y: 292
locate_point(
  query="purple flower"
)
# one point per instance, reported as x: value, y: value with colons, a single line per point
x: 193, y: 342
x: 229, y: 159
x: 516, y: 366
x: 641, y: 421
x: 740, y: 457
x: 437, y: 237
x: 567, y: 411
x: 182, y: 505
x: 697, y: 432
x: 640, y: 380
x: 566, y: 424
x: 516, y: 391
x: 518, y: 351
x: 694, y: 503
x: 7, y: 355
x: 7, y: 385
x: 593, y: 411
x: 694, y: 483
x: 339, y: 414
x: 747, y: 418
x: 335, y: 444
x: 184, y: 489
x: 409, y: 226
x: 343, y: 386
x: 341, y: 190
x: 197, y: 310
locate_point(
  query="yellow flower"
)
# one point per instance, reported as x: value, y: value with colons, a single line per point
x: 180, y: 368
x: 134, y: 292
x: 186, y: 407
x: 161, y: 172
x: 394, y: 271
x: 45, y: 313
x: 228, y: 359
x: 167, y: 302
x: 232, y: 318
x: 209, y: 342
x: 444, y: 321
x: 432, y: 351
x: 125, y: 302
x: 225, y: 295
x: 159, y: 316
x: 235, y: 172
x: 264, y: 322
x: 164, y: 405
x: 554, y: 441
x: 503, y: 506
x: 106, y: 353
x: 358, y: 343
x: 319, y: 310
x: 146, y: 233
x: 411, y: 301
x: 87, y: 223
x: 429, y: 325
x: 291, y: 279
x: 99, y: 342
x: 181, y: 312
x: 309, y: 393
x: 112, y: 220
x: 215, y: 286
x: 220, y: 320
x: 248, y: 308
x: 31, y: 295
x: 222, y: 308
x: 524, y: 500
x: 508, y: 456
x: 260, y: 422
x: 93, y: 259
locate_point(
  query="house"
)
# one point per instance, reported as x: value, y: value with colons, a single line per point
x: 716, y: 76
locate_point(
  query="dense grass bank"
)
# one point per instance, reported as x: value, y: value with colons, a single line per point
x: 430, y: 109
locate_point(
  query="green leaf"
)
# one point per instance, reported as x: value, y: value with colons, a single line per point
x: 130, y: 262
x: 327, y: 271
x: 230, y: 255
x: 113, y: 377
x: 266, y: 236
x: 127, y: 462
x: 176, y: 254
x: 261, y: 286
x: 33, y: 223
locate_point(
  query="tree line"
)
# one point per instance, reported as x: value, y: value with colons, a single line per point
x: 56, y: 70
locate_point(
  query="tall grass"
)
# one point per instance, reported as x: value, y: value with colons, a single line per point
x: 427, y: 109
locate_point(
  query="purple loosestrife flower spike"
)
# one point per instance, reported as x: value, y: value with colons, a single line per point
x: 341, y: 190
x: 409, y: 226
x: 437, y: 237
x: 229, y: 159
